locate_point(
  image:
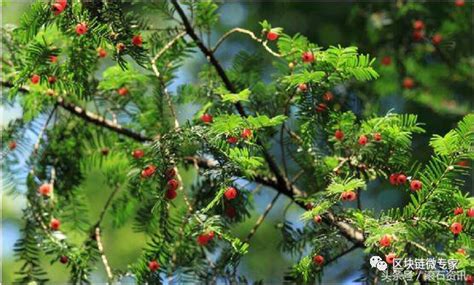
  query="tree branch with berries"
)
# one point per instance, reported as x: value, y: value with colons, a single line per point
x: 94, y: 81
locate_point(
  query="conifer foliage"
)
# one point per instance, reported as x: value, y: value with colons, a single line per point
x: 121, y: 122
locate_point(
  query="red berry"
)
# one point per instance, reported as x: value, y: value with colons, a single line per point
x: 138, y: 153
x: 271, y: 36
x: 390, y: 257
x: 307, y: 57
x: 418, y: 35
x: 210, y: 235
x: 470, y: 212
x: 437, y: 39
x: 137, y: 40
x: 54, y: 224
x: 51, y: 79
x: 122, y: 91
x: 63, y: 259
x: 318, y: 260
x: 456, y: 228
x: 418, y: 25
x: 172, y: 184
x: 363, y: 140
x: 321, y: 107
x: 461, y: 251
x: 206, y: 118
x: 401, y: 179
x: 232, y: 140
x: 463, y: 163
x: 59, y: 6
x: 45, y: 189
x: 377, y: 137
x: 101, y: 52
x: 230, y: 212
x: 415, y: 185
x: 153, y: 265
x: 120, y: 47
x: 408, y: 83
x: 348, y: 196
x: 81, y: 28
x: 339, y: 135
x: 12, y: 145
x: 317, y: 219
x: 385, y: 241
x: 328, y: 96
x: 53, y: 58
x: 246, y: 134
x: 394, y: 178
x: 458, y: 211
x: 170, y: 173
x: 148, y: 171
x: 203, y: 239
x: 386, y: 60
x: 230, y: 193
x: 35, y: 78
x: 469, y: 279
x: 309, y: 206
x: 303, y: 87
x: 171, y: 194
x: 459, y: 3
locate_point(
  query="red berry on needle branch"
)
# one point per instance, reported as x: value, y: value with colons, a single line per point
x: 437, y: 39
x: 81, y: 28
x: 318, y: 260
x: 307, y: 57
x: 230, y: 193
x: 45, y: 189
x: 385, y: 241
x: 456, y: 228
x: 148, y: 171
x: 138, y: 153
x: 339, y: 135
x: 363, y: 140
x: 35, y: 79
x: 246, y: 134
x: 54, y: 224
x: 458, y: 211
x: 101, y: 52
x: 206, y: 118
x: 272, y: 35
x: 122, y: 91
x: 153, y: 265
x: 416, y: 185
x: 137, y: 40
x: 232, y: 140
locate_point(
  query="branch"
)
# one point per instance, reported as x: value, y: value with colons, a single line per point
x: 102, y: 255
x: 247, y: 32
x: 262, y: 217
x: 90, y: 116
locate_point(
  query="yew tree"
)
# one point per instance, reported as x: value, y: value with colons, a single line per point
x: 92, y: 79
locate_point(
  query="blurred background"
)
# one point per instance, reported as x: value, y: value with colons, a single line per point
x: 326, y: 23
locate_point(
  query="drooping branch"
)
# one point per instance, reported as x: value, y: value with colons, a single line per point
x: 281, y: 182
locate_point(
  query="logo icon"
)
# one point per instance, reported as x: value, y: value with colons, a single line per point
x: 377, y: 262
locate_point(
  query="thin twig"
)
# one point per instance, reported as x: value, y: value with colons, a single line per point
x: 163, y: 50
x: 43, y: 129
x: 102, y: 255
x: 262, y: 217
x: 246, y: 32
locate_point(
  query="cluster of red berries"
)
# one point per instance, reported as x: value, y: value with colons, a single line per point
x: 348, y: 196
x: 318, y: 260
x: 231, y: 193
x: 172, y: 184
x: 362, y: 140
x: 469, y: 212
x: 418, y: 30
x: 400, y: 179
x: 204, y: 238
x: 59, y: 6
x: 245, y: 134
